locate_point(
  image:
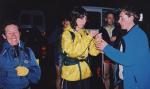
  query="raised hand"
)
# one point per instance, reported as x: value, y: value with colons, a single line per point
x: 113, y: 38
x: 100, y: 43
x: 93, y: 33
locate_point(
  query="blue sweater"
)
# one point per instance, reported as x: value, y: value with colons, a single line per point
x: 135, y: 59
x: 8, y: 64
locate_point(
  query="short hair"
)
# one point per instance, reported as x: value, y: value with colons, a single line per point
x: 77, y: 12
x: 10, y: 23
x: 109, y: 12
x: 131, y: 11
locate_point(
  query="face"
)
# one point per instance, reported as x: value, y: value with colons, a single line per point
x: 66, y: 23
x: 12, y: 34
x: 110, y: 19
x: 125, y: 20
x: 81, y: 22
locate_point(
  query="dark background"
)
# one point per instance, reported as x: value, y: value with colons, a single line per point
x: 54, y: 11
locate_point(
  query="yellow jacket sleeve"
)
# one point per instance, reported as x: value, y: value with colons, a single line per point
x: 77, y: 47
x: 92, y: 49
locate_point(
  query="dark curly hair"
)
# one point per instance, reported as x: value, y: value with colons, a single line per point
x: 77, y: 12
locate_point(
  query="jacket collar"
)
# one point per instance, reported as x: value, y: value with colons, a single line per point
x: 6, y: 45
x: 134, y: 27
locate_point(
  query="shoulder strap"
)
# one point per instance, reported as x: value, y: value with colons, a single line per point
x: 72, y: 35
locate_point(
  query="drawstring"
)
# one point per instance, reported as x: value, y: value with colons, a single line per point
x: 64, y: 84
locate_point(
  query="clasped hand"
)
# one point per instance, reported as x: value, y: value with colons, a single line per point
x: 99, y: 42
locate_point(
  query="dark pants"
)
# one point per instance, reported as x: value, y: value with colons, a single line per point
x: 81, y: 84
x: 28, y: 87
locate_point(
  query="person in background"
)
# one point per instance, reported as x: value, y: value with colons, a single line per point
x: 18, y: 66
x: 111, y: 34
x: 58, y: 58
x: 77, y: 43
x: 135, y: 56
x: 111, y: 30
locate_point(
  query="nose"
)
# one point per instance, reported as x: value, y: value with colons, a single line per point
x: 13, y: 35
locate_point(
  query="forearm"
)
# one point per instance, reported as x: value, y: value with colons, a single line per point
x: 34, y: 74
x: 77, y: 47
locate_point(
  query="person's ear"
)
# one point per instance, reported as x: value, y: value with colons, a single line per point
x: 4, y: 36
x: 132, y: 18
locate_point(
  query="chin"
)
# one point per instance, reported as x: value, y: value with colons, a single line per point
x: 14, y: 44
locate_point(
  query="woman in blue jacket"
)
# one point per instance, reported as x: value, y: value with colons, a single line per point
x: 18, y: 66
x: 136, y: 55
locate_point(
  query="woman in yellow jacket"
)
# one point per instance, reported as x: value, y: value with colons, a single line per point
x: 76, y: 45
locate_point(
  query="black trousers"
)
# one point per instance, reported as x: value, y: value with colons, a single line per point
x: 28, y: 87
x: 81, y: 84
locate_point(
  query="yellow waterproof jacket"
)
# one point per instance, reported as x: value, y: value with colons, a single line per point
x: 78, y: 49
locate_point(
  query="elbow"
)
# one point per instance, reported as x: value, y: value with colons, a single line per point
x: 35, y: 77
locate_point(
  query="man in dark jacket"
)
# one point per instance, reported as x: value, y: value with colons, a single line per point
x: 111, y: 34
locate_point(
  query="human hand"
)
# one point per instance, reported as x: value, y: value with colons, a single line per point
x: 113, y: 38
x: 93, y: 33
x: 22, y: 71
x: 98, y: 36
x: 100, y: 43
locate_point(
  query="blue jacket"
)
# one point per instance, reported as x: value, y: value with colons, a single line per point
x: 135, y: 59
x: 9, y: 61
